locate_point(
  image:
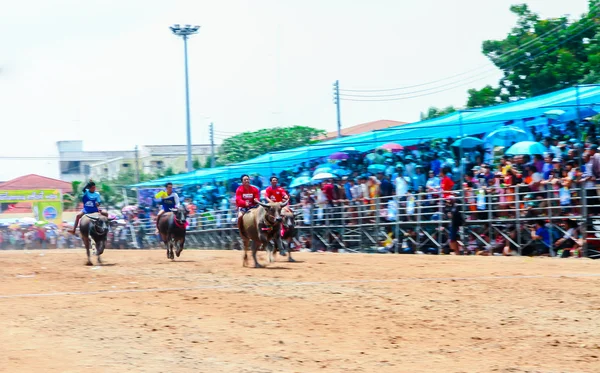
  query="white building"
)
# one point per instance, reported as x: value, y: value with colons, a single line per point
x: 76, y: 164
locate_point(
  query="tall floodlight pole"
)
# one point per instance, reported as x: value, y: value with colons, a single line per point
x: 185, y: 32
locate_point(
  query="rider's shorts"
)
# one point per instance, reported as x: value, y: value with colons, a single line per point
x: 88, y: 212
x: 244, y: 210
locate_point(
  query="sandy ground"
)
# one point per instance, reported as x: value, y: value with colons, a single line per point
x: 327, y: 313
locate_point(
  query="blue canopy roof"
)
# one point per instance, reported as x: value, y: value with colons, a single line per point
x: 467, y: 122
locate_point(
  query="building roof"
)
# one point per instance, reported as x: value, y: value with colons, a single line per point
x: 164, y: 150
x: 362, y: 128
x: 33, y: 181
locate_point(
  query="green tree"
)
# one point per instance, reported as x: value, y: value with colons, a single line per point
x: 70, y: 201
x: 592, y: 51
x: 196, y: 164
x: 542, y: 55
x: 248, y: 145
x: 434, y: 112
x: 487, y: 96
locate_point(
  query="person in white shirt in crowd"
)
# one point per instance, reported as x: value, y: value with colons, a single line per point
x: 397, y: 171
x: 364, y: 188
x: 402, y: 184
x: 409, y: 166
x: 554, y: 150
x: 389, y: 171
x: 356, y: 192
x: 418, y: 179
x: 433, y: 183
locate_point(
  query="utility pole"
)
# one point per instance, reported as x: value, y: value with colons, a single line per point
x: 212, y: 144
x: 137, y: 165
x: 186, y: 32
x: 336, y: 101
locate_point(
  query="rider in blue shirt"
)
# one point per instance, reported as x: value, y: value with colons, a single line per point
x: 91, y: 203
x: 168, y: 200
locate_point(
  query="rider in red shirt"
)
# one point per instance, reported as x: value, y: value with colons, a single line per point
x: 246, y: 196
x: 276, y: 193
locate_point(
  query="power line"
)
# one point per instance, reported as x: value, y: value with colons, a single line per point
x: 227, y: 133
x: 375, y: 98
x: 436, y: 90
x: 510, y: 52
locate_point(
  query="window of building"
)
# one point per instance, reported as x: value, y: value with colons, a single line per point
x: 70, y: 167
x: 158, y: 164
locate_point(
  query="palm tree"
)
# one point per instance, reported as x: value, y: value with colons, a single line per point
x: 71, y: 201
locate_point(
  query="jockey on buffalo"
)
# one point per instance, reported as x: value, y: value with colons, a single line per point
x: 91, y: 203
x: 168, y: 200
x: 274, y: 192
x: 246, y: 197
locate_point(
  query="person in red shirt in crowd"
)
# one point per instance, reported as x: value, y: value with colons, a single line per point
x: 446, y: 184
x: 246, y: 197
x: 328, y: 190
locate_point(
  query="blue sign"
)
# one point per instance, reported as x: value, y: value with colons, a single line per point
x: 50, y: 213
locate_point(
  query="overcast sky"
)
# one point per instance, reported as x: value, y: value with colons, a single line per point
x: 110, y: 73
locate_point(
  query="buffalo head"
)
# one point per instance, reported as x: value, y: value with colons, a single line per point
x: 273, y: 211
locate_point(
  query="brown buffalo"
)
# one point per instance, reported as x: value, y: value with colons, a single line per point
x: 261, y: 225
x: 289, y: 232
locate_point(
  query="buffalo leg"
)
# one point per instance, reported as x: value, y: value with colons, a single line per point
x: 289, y: 251
x: 166, y: 242
x: 245, y: 243
x: 282, y: 248
x: 180, y: 247
x: 255, y: 248
x: 86, y: 243
x: 276, y: 248
x: 271, y: 249
x: 170, y: 249
x: 100, y: 248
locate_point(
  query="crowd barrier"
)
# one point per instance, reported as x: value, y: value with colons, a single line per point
x: 420, y: 222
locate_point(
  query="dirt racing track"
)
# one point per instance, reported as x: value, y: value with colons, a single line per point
x: 204, y: 312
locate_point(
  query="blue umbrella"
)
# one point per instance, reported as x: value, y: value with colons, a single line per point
x: 342, y: 172
x: 467, y: 143
x: 506, y: 136
x: 299, y: 181
x: 375, y: 168
x: 526, y: 147
x: 323, y: 176
x: 323, y: 169
x: 570, y: 114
